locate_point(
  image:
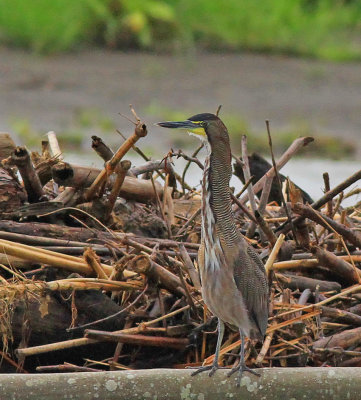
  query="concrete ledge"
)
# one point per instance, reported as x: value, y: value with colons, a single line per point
x: 156, y: 384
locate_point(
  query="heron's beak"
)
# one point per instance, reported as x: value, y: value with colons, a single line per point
x: 190, y: 126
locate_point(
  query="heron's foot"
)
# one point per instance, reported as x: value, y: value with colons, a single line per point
x: 240, y: 368
x: 212, y: 368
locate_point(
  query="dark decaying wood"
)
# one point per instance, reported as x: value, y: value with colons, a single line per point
x: 101, y: 148
x: 352, y: 236
x: 21, y: 158
x: 296, y: 145
x: 144, y: 265
x: 301, y: 283
x: 258, y: 168
x: 344, y: 340
x: 49, y: 315
x: 355, y: 309
x: 12, y: 195
x: 7, y: 145
x: 331, y: 194
x: 341, y: 316
x: 79, y: 177
x: 344, y: 270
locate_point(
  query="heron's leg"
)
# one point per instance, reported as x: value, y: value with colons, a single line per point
x: 213, y: 368
x: 242, y: 365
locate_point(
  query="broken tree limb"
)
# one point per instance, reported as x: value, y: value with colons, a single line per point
x: 270, y: 190
x: 308, y: 263
x: 271, y: 237
x: 65, y: 174
x: 139, y: 340
x: 69, y: 284
x: 121, y: 170
x: 42, y: 241
x: 151, y: 166
x: 93, y: 261
x: 143, y: 264
x: 101, y: 148
x: 43, y: 234
x: 301, y: 283
x: 193, y: 273
x: 337, y: 265
x: 327, y: 197
x: 43, y: 169
x: 21, y: 158
x: 346, y: 339
x: 12, y: 194
x: 352, y: 236
x: 44, y: 230
x: 272, y: 257
x: 140, y: 131
x: 341, y: 316
x: 54, y: 145
x: 286, y: 156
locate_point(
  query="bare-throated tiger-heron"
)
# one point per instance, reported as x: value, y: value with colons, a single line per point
x: 234, y: 284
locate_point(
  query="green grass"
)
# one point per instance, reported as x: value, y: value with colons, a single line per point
x: 44, y: 26
x: 322, y: 28
x: 328, y: 29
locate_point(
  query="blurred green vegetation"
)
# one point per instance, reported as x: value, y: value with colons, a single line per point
x: 74, y: 136
x: 324, y: 146
x: 328, y: 29
x: 89, y: 121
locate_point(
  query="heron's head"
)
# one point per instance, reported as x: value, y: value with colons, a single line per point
x: 207, y: 127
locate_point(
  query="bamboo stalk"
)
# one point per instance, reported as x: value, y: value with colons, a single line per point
x: 70, y: 284
x: 308, y: 263
x: 121, y: 171
x: 274, y: 253
x: 93, y: 261
x: 52, y: 258
x: 140, y: 131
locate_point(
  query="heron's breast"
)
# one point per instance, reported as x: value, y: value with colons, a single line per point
x: 223, y: 298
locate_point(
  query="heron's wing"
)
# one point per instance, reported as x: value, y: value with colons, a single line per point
x: 250, y: 277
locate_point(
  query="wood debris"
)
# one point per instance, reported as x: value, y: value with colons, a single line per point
x: 99, y: 266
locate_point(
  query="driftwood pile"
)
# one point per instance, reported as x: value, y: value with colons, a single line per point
x: 98, y: 268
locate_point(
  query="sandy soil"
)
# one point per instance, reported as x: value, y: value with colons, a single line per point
x: 48, y: 91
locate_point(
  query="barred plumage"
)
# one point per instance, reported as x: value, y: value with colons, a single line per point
x: 234, y: 284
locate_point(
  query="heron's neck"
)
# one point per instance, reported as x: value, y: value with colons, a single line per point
x: 217, y: 215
